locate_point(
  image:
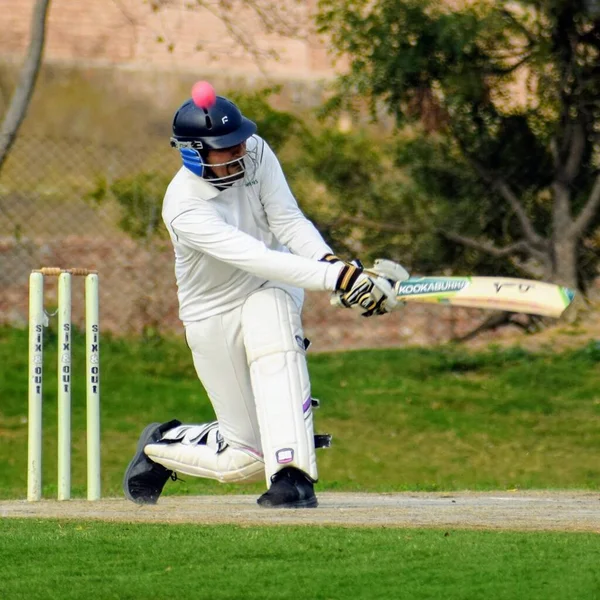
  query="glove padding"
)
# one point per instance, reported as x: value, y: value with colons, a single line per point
x: 357, y: 289
x: 372, y: 290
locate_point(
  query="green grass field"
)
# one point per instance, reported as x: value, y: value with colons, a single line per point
x: 407, y: 419
x: 64, y: 560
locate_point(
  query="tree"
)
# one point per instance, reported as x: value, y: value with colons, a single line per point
x: 21, y: 97
x: 503, y: 97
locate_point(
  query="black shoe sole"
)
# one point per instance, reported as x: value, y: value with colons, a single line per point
x: 145, y: 438
x: 306, y: 503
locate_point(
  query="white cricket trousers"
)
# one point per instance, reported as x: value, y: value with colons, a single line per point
x: 252, y: 363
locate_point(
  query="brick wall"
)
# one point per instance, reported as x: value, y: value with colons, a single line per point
x: 127, y: 32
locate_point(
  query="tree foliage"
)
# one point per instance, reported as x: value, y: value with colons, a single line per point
x: 276, y: 126
x: 496, y: 109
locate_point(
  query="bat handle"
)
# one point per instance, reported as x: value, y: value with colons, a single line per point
x: 386, y: 274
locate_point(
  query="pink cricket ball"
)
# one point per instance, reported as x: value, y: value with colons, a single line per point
x: 203, y: 94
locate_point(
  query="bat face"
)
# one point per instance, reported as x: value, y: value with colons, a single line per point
x: 421, y: 286
x: 494, y: 293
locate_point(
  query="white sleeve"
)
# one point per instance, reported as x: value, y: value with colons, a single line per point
x: 285, y: 218
x: 203, y: 229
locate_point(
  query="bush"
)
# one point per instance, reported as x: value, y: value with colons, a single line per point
x: 140, y: 200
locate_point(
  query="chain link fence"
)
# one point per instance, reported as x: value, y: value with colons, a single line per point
x: 57, y: 208
x: 71, y: 203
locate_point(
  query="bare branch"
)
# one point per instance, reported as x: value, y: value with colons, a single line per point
x: 589, y: 210
x: 502, y: 319
x: 278, y: 17
x: 282, y: 19
x: 540, y: 270
x: 577, y: 146
x: 502, y: 187
x: 29, y: 71
x: 506, y: 192
x: 373, y: 225
x: 515, y: 204
x: 520, y: 246
x: 492, y: 322
x: 512, y: 68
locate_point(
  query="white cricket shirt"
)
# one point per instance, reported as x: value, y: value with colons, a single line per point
x: 229, y: 243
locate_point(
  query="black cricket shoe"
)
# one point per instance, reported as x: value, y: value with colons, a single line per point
x: 290, y: 488
x: 144, y: 479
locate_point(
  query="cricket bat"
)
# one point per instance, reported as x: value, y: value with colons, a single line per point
x: 493, y: 293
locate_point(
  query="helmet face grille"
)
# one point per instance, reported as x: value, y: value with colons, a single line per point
x: 248, y: 163
x: 194, y: 161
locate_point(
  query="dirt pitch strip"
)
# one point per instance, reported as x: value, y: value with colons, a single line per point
x: 524, y: 511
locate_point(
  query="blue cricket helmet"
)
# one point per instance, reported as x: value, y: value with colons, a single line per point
x: 197, y: 130
x: 220, y: 126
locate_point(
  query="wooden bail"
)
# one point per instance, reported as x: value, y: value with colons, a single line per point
x: 56, y: 271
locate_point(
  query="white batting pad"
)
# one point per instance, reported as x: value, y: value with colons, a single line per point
x: 274, y: 341
x: 229, y: 465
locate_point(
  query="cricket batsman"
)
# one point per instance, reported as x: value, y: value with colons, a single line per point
x: 244, y: 254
